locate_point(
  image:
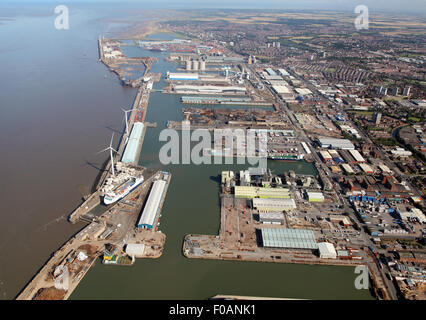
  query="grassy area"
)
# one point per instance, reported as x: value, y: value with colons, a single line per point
x: 414, y: 119
x: 362, y: 113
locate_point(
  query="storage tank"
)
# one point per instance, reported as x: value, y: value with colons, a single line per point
x: 195, y: 65
x: 188, y: 64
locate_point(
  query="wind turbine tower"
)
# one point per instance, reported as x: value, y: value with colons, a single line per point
x: 111, y: 149
x: 125, y: 119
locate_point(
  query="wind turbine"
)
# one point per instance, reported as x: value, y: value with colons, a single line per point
x: 111, y: 149
x: 125, y: 119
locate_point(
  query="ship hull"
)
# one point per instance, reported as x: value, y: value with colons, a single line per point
x: 108, y: 199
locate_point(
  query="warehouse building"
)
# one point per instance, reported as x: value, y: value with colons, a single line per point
x: 326, y: 157
x: 336, y: 156
x: 357, y: 156
x: 327, y: 250
x: 152, y: 205
x: 334, y: 143
x: 135, y: 249
x: 401, y: 152
x: 273, y: 205
x: 315, y: 196
x: 271, y: 217
x: 348, y: 169
x: 209, y: 89
x: 281, y: 89
x: 129, y: 154
x: 303, y: 91
x: 306, y: 148
x: 183, y: 76
x: 283, y: 72
x: 366, y: 168
x: 270, y: 72
x: 249, y: 192
x: 412, y: 213
x: 385, y: 169
x: 288, y: 238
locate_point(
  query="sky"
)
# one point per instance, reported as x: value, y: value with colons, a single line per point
x: 393, y: 6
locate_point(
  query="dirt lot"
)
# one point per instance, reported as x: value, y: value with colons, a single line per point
x: 50, y: 293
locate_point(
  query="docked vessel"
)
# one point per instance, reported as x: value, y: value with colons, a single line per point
x: 285, y: 157
x: 122, y: 190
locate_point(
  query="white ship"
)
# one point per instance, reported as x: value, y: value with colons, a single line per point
x: 122, y: 190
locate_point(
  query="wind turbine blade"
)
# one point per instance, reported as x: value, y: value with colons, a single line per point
x: 112, y: 138
x: 103, y: 150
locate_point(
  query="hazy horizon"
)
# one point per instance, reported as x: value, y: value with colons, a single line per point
x: 417, y: 7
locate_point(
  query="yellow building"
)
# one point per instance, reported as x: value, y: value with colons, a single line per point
x: 249, y: 192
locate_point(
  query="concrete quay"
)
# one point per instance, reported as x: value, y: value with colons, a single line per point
x: 116, y: 226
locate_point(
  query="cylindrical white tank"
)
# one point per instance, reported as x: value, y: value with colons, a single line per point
x: 195, y: 65
x: 188, y: 64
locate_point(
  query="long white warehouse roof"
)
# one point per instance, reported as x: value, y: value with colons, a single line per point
x: 357, y: 156
x: 132, y: 145
x: 336, y: 143
x: 183, y: 76
x: 281, y: 89
x: 305, y: 146
x: 152, y: 204
x: 273, y: 203
x: 327, y: 250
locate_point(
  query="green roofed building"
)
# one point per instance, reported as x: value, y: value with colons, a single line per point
x: 288, y: 238
x: 248, y: 192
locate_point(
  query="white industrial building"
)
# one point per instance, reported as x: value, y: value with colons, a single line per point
x: 412, y: 213
x: 280, y: 89
x: 209, y: 89
x: 385, y: 169
x: 135, y: 249
x: 325, y: 156
x: 401, y: 152
x: 357, y: 156
x: 315, y: 196
x: 334, y: 143
x: 271, y: 217
x: 347, y: 168
x: 273, y: 205
x: 303, y: 91
x: 327, y: 250
x: 306, y: 148
x: 283, y: 72
x: 366, y: 168
x: 152, y: 205
x: 183, y: 76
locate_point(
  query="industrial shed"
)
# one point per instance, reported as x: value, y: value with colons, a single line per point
x: 248, y: 192
x: 281, y: 89
x: 135, y: 249
x: 357, y: 156
x: 273, y: 205
x: 271, y: 217
x: 347, y: 168
x: 132, y: 145
x: 152, y: 205
x: 334, y: 143
x: 183, y: 76
x: 288, y: 238
x: 327, y: 250
x: 366, y: 168
x: 315, y: 196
